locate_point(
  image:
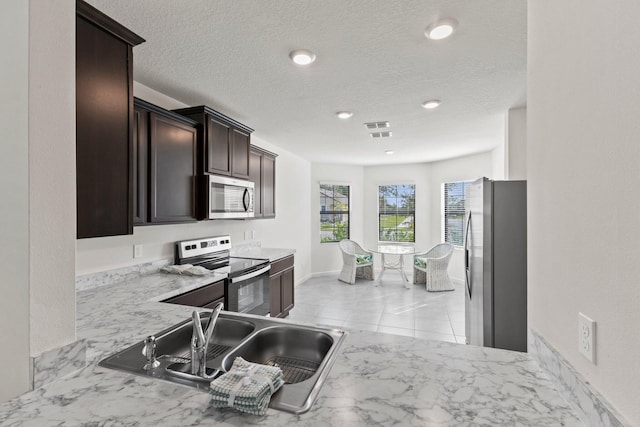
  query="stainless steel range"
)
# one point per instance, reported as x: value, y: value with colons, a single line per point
x: 246, y: 289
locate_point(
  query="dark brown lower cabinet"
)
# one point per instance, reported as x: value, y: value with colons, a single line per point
x: 281, y: 288
x: 207, y: 296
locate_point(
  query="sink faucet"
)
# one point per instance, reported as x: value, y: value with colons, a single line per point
x: 200, y: 341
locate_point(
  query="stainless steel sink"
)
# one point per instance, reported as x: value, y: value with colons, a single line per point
x: 304, y: 353
x: 174, y: 352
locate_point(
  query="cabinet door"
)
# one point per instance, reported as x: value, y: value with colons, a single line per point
x: 268, y: 186
x: 287, y: 286
x: 240, y: 154
x: 173, y: 163
x: 103, y: 140
x: 255, y: 175
x: 140, y: 160
x: 275, y: 295
x: 218, y: 153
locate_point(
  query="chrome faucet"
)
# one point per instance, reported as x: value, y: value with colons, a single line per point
x: 200, y: 341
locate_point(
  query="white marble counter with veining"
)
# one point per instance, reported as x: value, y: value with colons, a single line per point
x: 378, y: 379
x: 250, y: 251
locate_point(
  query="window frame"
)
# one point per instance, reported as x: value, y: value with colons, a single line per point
x: 330, y: 212
x: 444, y: 212
x: 413, y: 213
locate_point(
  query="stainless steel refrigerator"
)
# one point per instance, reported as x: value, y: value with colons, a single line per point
x: 496, y: 264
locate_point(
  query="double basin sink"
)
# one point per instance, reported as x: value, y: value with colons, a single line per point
x: 304, y: 353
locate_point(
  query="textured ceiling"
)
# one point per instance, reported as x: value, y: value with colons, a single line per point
x: 372, y: 59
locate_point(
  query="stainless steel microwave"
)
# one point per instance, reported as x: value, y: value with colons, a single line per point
x: 229, y: 198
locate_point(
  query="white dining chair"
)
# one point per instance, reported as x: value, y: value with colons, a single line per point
x: 431, y: 267
x: 356, y: 262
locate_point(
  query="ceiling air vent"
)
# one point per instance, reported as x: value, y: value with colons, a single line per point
x: 380, y: 134
x: 377, y: 125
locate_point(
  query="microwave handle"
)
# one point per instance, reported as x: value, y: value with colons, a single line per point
x: 250, y: 275
x: 245, y: 199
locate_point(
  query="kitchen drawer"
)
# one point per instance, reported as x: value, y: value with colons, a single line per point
x: 281, y: 264
x: 201, y: 297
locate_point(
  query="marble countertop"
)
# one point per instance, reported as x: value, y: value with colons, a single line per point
x: 249, y: 251
x: 378, y: 379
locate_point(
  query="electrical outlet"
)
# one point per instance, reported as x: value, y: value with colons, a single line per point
x: 137, y: 251
x: 587, y: 337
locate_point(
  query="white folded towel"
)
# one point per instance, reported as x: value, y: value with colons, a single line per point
x: 247, y: 387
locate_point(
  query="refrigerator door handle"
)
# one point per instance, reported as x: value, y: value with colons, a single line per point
x: 466, y: 256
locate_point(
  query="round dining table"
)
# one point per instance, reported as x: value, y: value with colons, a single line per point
x: 393, y: 259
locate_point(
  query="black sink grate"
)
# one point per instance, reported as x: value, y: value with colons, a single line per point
x: 213, y: 351
x: 293, y: 370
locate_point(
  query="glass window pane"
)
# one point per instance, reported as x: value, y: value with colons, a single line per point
x: 396, y: 208
x: 334, y: 212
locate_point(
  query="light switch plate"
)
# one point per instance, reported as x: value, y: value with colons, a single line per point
x: 587, y: 337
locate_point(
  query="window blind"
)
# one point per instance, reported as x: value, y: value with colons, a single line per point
x: 453, y: 208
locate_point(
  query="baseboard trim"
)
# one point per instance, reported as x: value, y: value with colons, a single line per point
x: 592, y: 408
x: 303, y: 279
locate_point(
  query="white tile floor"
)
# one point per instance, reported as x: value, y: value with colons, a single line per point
x: 388, y: 308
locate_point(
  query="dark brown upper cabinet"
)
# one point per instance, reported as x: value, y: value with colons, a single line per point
x: 165, y: 147
x: 262, y: 171
x: 104, y: 119
x: 223, y: 145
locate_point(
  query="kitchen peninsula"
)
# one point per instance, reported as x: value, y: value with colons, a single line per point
x: 378, y: 379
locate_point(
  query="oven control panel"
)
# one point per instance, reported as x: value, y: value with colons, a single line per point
x: 205, y: 246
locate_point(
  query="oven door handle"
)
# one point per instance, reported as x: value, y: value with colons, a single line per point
x: 250, y: 275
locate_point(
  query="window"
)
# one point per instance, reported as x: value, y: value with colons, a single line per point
x: 453, y: 212
x: 334, y: 212
x: 396, y: 213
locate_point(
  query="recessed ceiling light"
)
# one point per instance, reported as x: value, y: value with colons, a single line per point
x: 302, y: 56
x: 389, y: 152
x: 344, y: 114
x: 431, y: 104
x: 441, y: 29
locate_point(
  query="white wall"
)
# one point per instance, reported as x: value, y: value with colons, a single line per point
x: 583, y: 187
x: 499, y: 162
x: 290, y: 228
x: 458, y: 169
x: 516, y: 143
x: 153, y: 96
x: 37, y: 166
x: 326, y: 257
x: 52, y: 173
x: 14, y: 190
